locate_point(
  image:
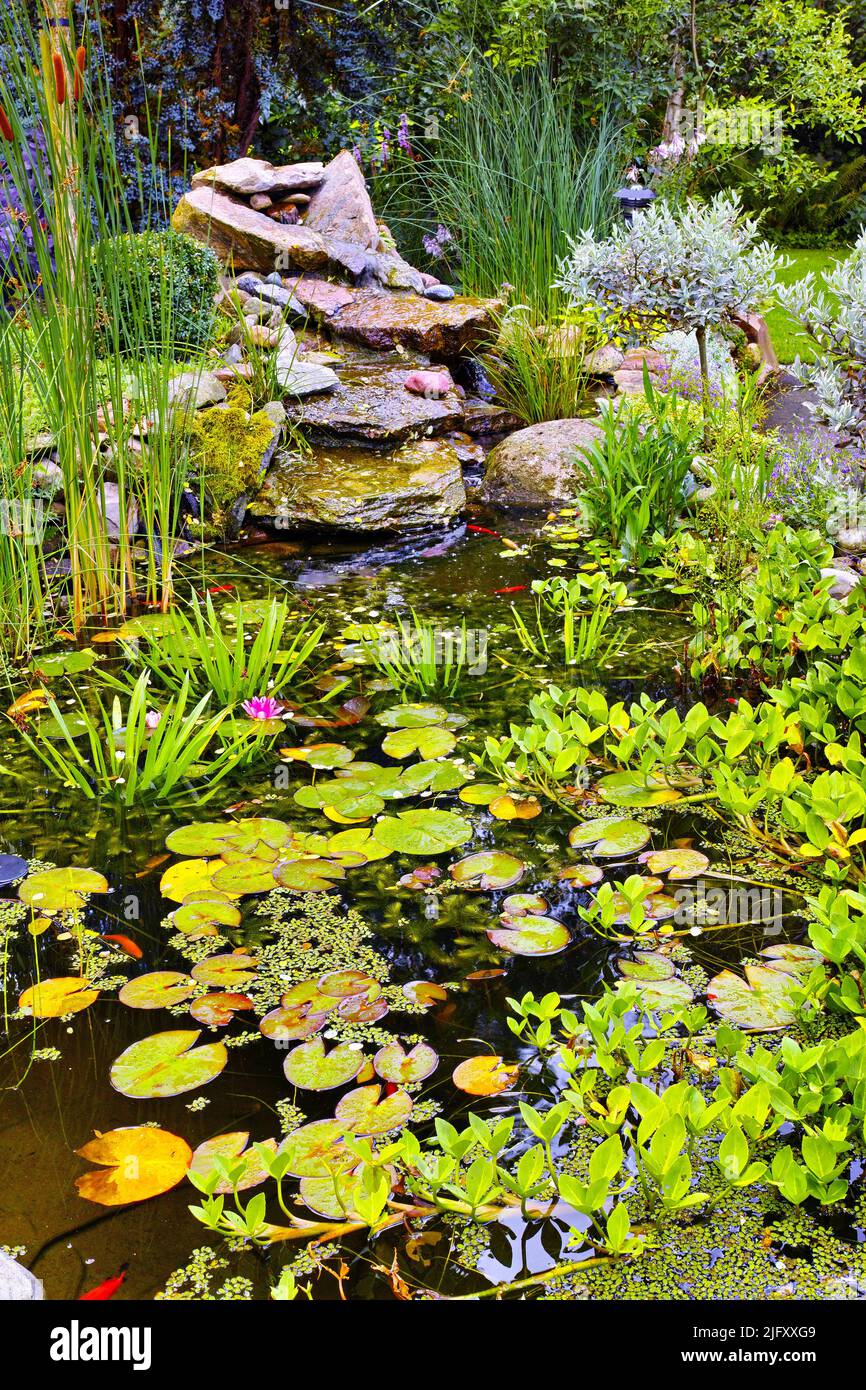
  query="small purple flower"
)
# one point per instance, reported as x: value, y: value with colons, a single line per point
x: 151, y: 719
x: 356, y: 151
x: 403, y: 135
x: 263, y: 707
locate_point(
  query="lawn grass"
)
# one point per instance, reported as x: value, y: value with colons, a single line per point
x: 788, y: 339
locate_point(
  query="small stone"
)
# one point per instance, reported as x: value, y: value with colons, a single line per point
x: 275, y: 278
x: 844, y: 580
x: 260, y: 201
x: 17, y: 1284
x: 603, y: 360
x: 432, y: 384
x: 440, y: 293
x: 306, y: 378
x: 194, y: 390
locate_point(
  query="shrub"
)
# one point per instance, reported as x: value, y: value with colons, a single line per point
x: 158, y: 287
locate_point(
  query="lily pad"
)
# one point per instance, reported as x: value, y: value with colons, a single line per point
x: 218, y: 1010
x: 239, y: 880
x: 510, y: 807
x: 531, y: 936
x: 645, y: 966
x: 58, y: 997
x: 204, y: 917
x: 424, y: 993
x: 676, y: 863
x: 12, y: 867
x: 65, y: 663
x: 362, y: 1111
x: 189, y: 876
x: 316, y: 1150
x: 61, y: 890
x: 340, y: 984
x: 137, y: 1162
x: 489, y: 869
x: 232, y: 1149
x: 663, y: 994
x: 325, y: 756
x: 393, y: 1063
x: 630, y: 789
x: 482, y: 793
x: 166, y: 1064
x: 423, y: 832
x: 227, y: 971
x: 519, y: 904
x: 612, y: 836
x: 309, y: 875
x: 760, y: 1003
x: 484, y: 1076
x: 293, y: 1024
x: 415, y: 716
x: 584, y: 875
x: 313, y: 1069
x: 158, y: 990
x: 429, y: 741
x: 358, y: 1009
x: 332, y: 1197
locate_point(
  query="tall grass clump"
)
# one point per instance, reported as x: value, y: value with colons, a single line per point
x: 96, y: 354
x: 512, y: 179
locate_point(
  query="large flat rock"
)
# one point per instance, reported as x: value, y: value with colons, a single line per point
x: 246, y: 177
x: 371, y: 403
x: 247, y: 240
x: 382, y: 320
x: 417, y: 487
x: 539, y: 466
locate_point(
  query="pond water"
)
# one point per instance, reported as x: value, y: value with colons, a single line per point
x: 50, y: 1108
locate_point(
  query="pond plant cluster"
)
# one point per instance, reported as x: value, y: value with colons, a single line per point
x: 476, y: 913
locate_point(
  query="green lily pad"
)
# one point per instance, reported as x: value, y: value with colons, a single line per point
x: 422, y: 832
x: 482, y: 793
x: 158, y: 990
x: 393, y: 1063
x: 71, y: 723
x: 166, y: 1064
x: 322, y: 756
x: 760, y: 1003
x: 332, y: 1197
x: 662, y: 994
x: 65, y: 663
x: 630, y: 789
x: 523, y: 904
x: 309, y: 875
x: 232, y: 1149
x: 218, y: 1009
x: 251, y: 876
x: 313, y: 1069
x: 676, y: 863
x: 645, y: 966
x: 358, y: 840
x: 151, y: 625
x: 415, y: 716
x: 228, y: 971
x: 61, y: 890
x: 792, y: 959
x: 203, y: 918
x: 318, y: 1149
x: 362, y: 1112
x: 531, y: 936
x: 612, y: 836
x: 430, y: 741
x: 489, y: 869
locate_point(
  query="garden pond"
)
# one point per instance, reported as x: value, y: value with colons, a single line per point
x: 415, y: 954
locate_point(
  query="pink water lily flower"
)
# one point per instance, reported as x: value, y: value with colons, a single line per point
x: 152, y: 718
x: 263, y: 707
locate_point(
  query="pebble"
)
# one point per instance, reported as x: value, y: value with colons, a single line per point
x: 439, y: 292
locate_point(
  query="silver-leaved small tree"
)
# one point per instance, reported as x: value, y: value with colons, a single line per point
x: 692, y: 268
x: 838, y: 330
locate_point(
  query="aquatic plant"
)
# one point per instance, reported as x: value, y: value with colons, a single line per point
x: 204, y: 650
x: 583, y: 608
x: 118, y: 756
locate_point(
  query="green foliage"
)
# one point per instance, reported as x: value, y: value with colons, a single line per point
x: 159, y: 287
x: 637, y: 471
x: 226, y: 447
